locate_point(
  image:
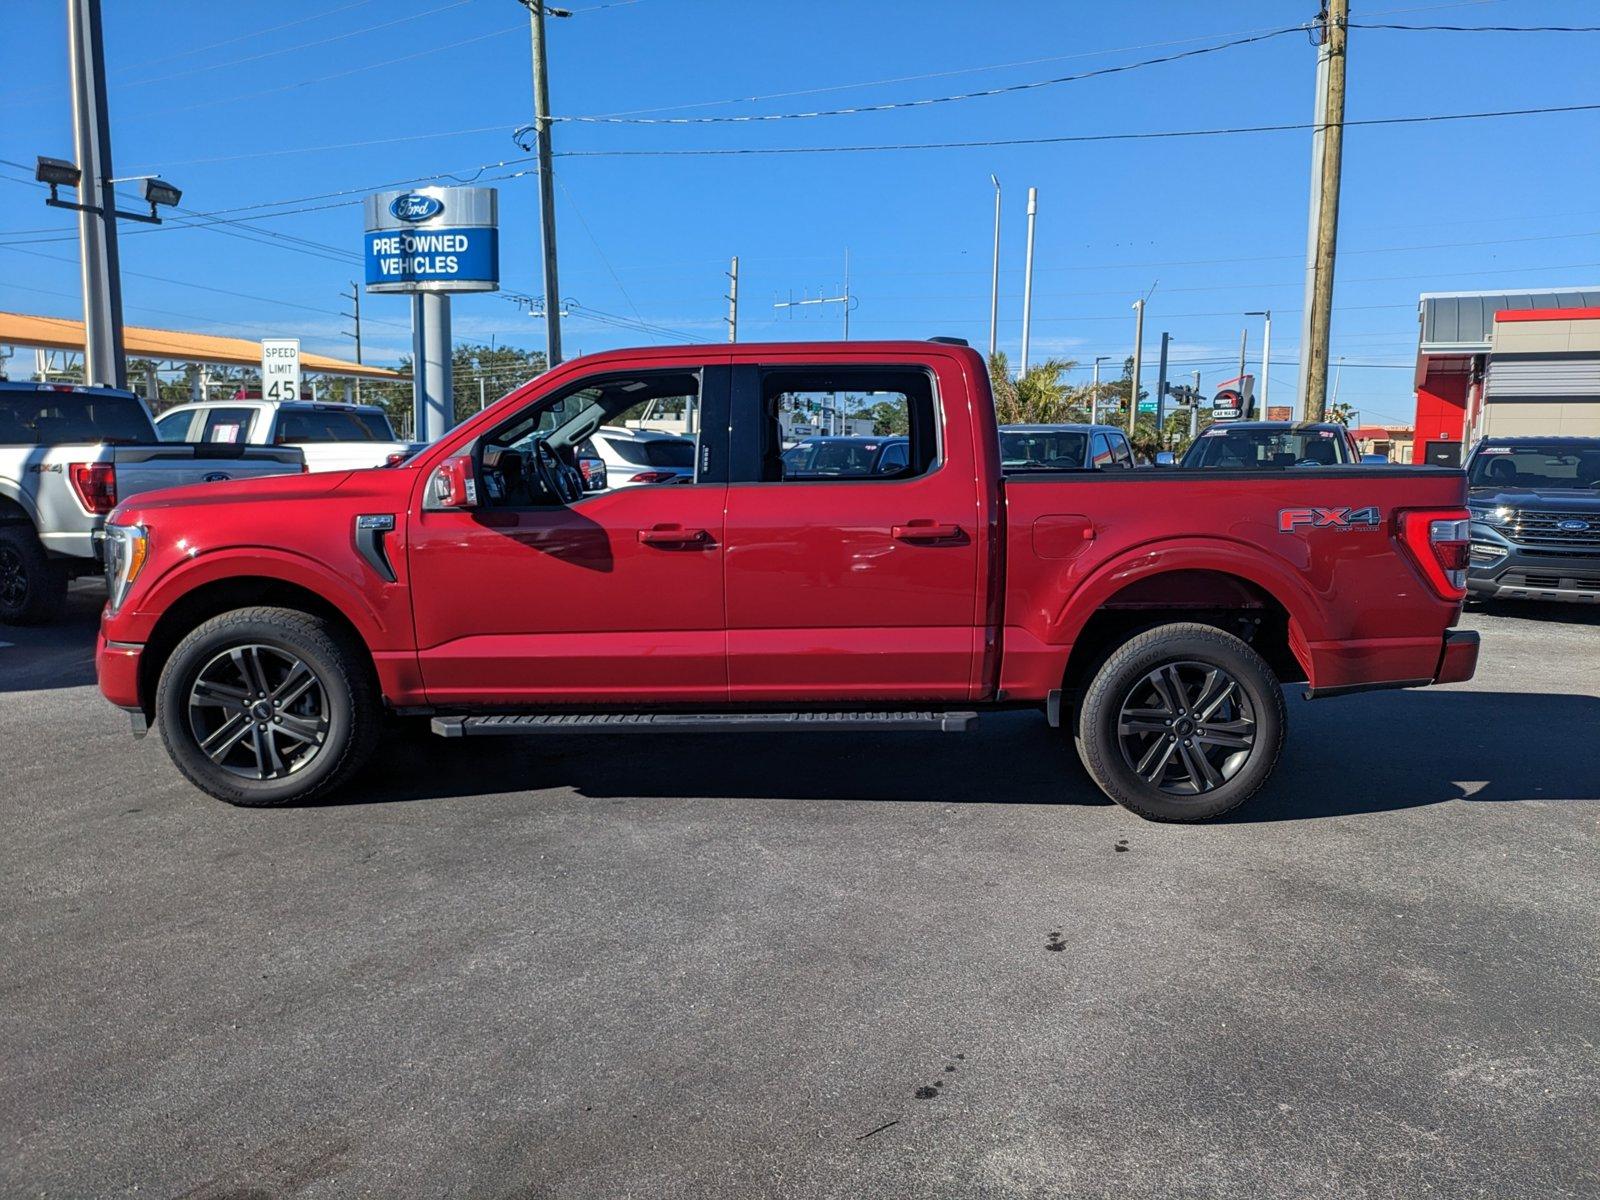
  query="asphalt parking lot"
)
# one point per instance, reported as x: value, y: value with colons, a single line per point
x: 911, y: 965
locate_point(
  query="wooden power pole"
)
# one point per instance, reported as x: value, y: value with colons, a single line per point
x: 1325, y: 183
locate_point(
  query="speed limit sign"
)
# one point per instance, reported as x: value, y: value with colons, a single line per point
x: 280, y: 368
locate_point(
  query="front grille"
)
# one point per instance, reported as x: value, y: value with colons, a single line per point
x: 1541, y: 528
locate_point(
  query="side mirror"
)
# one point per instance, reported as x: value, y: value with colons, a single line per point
x: 454, y: 484
x: 1165, y: 458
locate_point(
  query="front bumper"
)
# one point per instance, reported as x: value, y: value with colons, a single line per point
x: 1503, y: 570
x: 116, y: 668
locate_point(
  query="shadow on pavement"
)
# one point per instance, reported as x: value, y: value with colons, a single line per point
x: 1358, y: 754
x: 1538, y: 612
x: 57, y: 655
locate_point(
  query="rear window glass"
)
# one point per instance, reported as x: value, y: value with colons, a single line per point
x: 64, y: 418
x: 1267, y: 449
x: 1052, y: 449
x: 298, y: 426
x: 657, y: 452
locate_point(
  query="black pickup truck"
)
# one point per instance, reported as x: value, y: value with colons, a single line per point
x: 1535, y: 504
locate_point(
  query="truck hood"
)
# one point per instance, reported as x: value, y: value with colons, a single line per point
x: 265, y: 489
x: 1534, y: 499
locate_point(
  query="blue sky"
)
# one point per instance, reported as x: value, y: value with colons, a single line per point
x: 251, y: 102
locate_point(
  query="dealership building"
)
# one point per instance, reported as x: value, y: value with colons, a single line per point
x: 1505, y: 363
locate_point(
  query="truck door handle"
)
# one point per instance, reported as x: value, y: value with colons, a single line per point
x: 925, y: 531
x: 674, y: 535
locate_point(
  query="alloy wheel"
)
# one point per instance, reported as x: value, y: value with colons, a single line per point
x: 1186, y: 727
x: 258, y: 712
x: 13, y: 578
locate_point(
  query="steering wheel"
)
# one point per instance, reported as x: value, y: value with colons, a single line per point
x: 555, y: 477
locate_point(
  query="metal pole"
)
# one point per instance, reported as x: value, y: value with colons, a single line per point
x: 483, y: 398
x: 1027, y: 278
x: 1244, y: 403
x: 847, y: 293
x: 1138, y: 361
x: 1266, y: 363
x: 1194, y: 409
x: 1161, y: 387
x: 547, y: 193
x: 97, y: 220
x: 994, y: 275
x: 433, y: 402
x: 733, y: 300
x: 1314, y: 351
x: 1094, y: 390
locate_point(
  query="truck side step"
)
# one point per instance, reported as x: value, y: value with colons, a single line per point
x: 751, y: 722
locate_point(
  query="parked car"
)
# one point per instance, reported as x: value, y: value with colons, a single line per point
x: 1153, y: 613
x: 842, y: 456
x: 67, y: 455
x: 334, y: 437
x: 1535, y: 505
x: 632, y: 457
x: 1063, y: 448
x: 1268, y: 445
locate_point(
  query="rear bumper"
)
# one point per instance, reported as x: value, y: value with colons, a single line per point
x: 1453, y: 660
x: 1459, y: 661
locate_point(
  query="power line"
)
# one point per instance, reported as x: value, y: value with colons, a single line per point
x: 927, y: 101
x: 1071, y: 138
x: 1476, y: 28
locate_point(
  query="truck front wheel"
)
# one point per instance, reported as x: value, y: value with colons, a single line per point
x: 32, y: 587
x: 267, y: 706
x: 1182, y: 723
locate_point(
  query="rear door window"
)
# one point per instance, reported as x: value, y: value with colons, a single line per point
x: 174, y: 427
x: 299, y: 426
x: 1121, y: 452
x: 227, y: 426
x: 51, y: 418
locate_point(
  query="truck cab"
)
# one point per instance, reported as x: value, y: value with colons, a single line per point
x: 333, y: 436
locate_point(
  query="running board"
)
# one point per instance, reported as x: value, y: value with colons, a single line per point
x: 772, y: 722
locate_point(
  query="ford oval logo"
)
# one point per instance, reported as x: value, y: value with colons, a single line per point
x: 1572, y: 526
x: 217, y: 476
x: 412, y: 207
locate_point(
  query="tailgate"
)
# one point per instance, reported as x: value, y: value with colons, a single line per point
x: 147, y: 468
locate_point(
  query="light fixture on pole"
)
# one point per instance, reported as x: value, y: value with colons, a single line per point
x: 1266, y: 356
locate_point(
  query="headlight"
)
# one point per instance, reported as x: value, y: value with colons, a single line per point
x: 1500, y: 514
x: 127, y: 548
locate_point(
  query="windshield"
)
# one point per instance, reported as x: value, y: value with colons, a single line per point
x: 1565, y: 464
x: 298, y: 426
x: 1267, y: 449
x: 67, y: 418
x: 656, y: 452
x: 1061, y: 449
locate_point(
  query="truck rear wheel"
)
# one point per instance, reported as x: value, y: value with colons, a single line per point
x: 263, y: 707
x: 33, y: 588
x: 1182, y: 723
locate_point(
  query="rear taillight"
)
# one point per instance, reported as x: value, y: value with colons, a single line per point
x: 96, y: 485
x: 653, y: 477
x: 1441, y: 544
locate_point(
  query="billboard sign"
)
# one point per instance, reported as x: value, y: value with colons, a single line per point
x: 280, y: 368
x: 433, y: 239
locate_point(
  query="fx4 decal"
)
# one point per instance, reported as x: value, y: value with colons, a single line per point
x: 1341, y: 519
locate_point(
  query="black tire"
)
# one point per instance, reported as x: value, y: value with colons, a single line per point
x: 325, y: 733
x: 33, y: 587
x: 1122, y: 723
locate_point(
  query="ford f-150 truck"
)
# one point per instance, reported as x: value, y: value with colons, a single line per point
x: 67, y: 454
x: 333, y: 436
x: 1156, y: 614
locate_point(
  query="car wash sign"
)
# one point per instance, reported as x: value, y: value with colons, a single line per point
x: 433, y: 239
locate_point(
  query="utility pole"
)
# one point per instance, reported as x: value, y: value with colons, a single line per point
x: 547, y: 192
x: 97, y: 217
x: 1094, y: 390
x: 1194, y: 408
x: 354, y: 295
x: 1244, y: 401
x: 1325, y: 204
x: 994, y: 276
x: 733, y: 299
x: 1027, y: 278
x: 1138, y: 361
x: 1161, y: 387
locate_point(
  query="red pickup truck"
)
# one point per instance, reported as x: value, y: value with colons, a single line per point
x: 270, y: 627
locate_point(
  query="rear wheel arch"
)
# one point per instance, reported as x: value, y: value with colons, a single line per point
x: 212, y: 599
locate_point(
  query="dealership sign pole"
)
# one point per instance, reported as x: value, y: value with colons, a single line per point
x: 430, y: 242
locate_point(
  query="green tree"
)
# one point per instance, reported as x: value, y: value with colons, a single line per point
x: 1039, y: 396
x: 1144, y: 439
x: 1341, y: 412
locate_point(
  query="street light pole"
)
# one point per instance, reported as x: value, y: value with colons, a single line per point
x: 1094, y: 389
x: 1266, y: 355
x: 97, y: 214
x: 1138, y: 357
x: 994, y: 276
x: 547, y: 194
x: 1027, y: 278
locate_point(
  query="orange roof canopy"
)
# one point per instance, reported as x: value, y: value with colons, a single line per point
x: 61, y: 333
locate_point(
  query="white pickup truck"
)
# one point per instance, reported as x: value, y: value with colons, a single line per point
x: 68, y: 455
x: 335, y: 437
